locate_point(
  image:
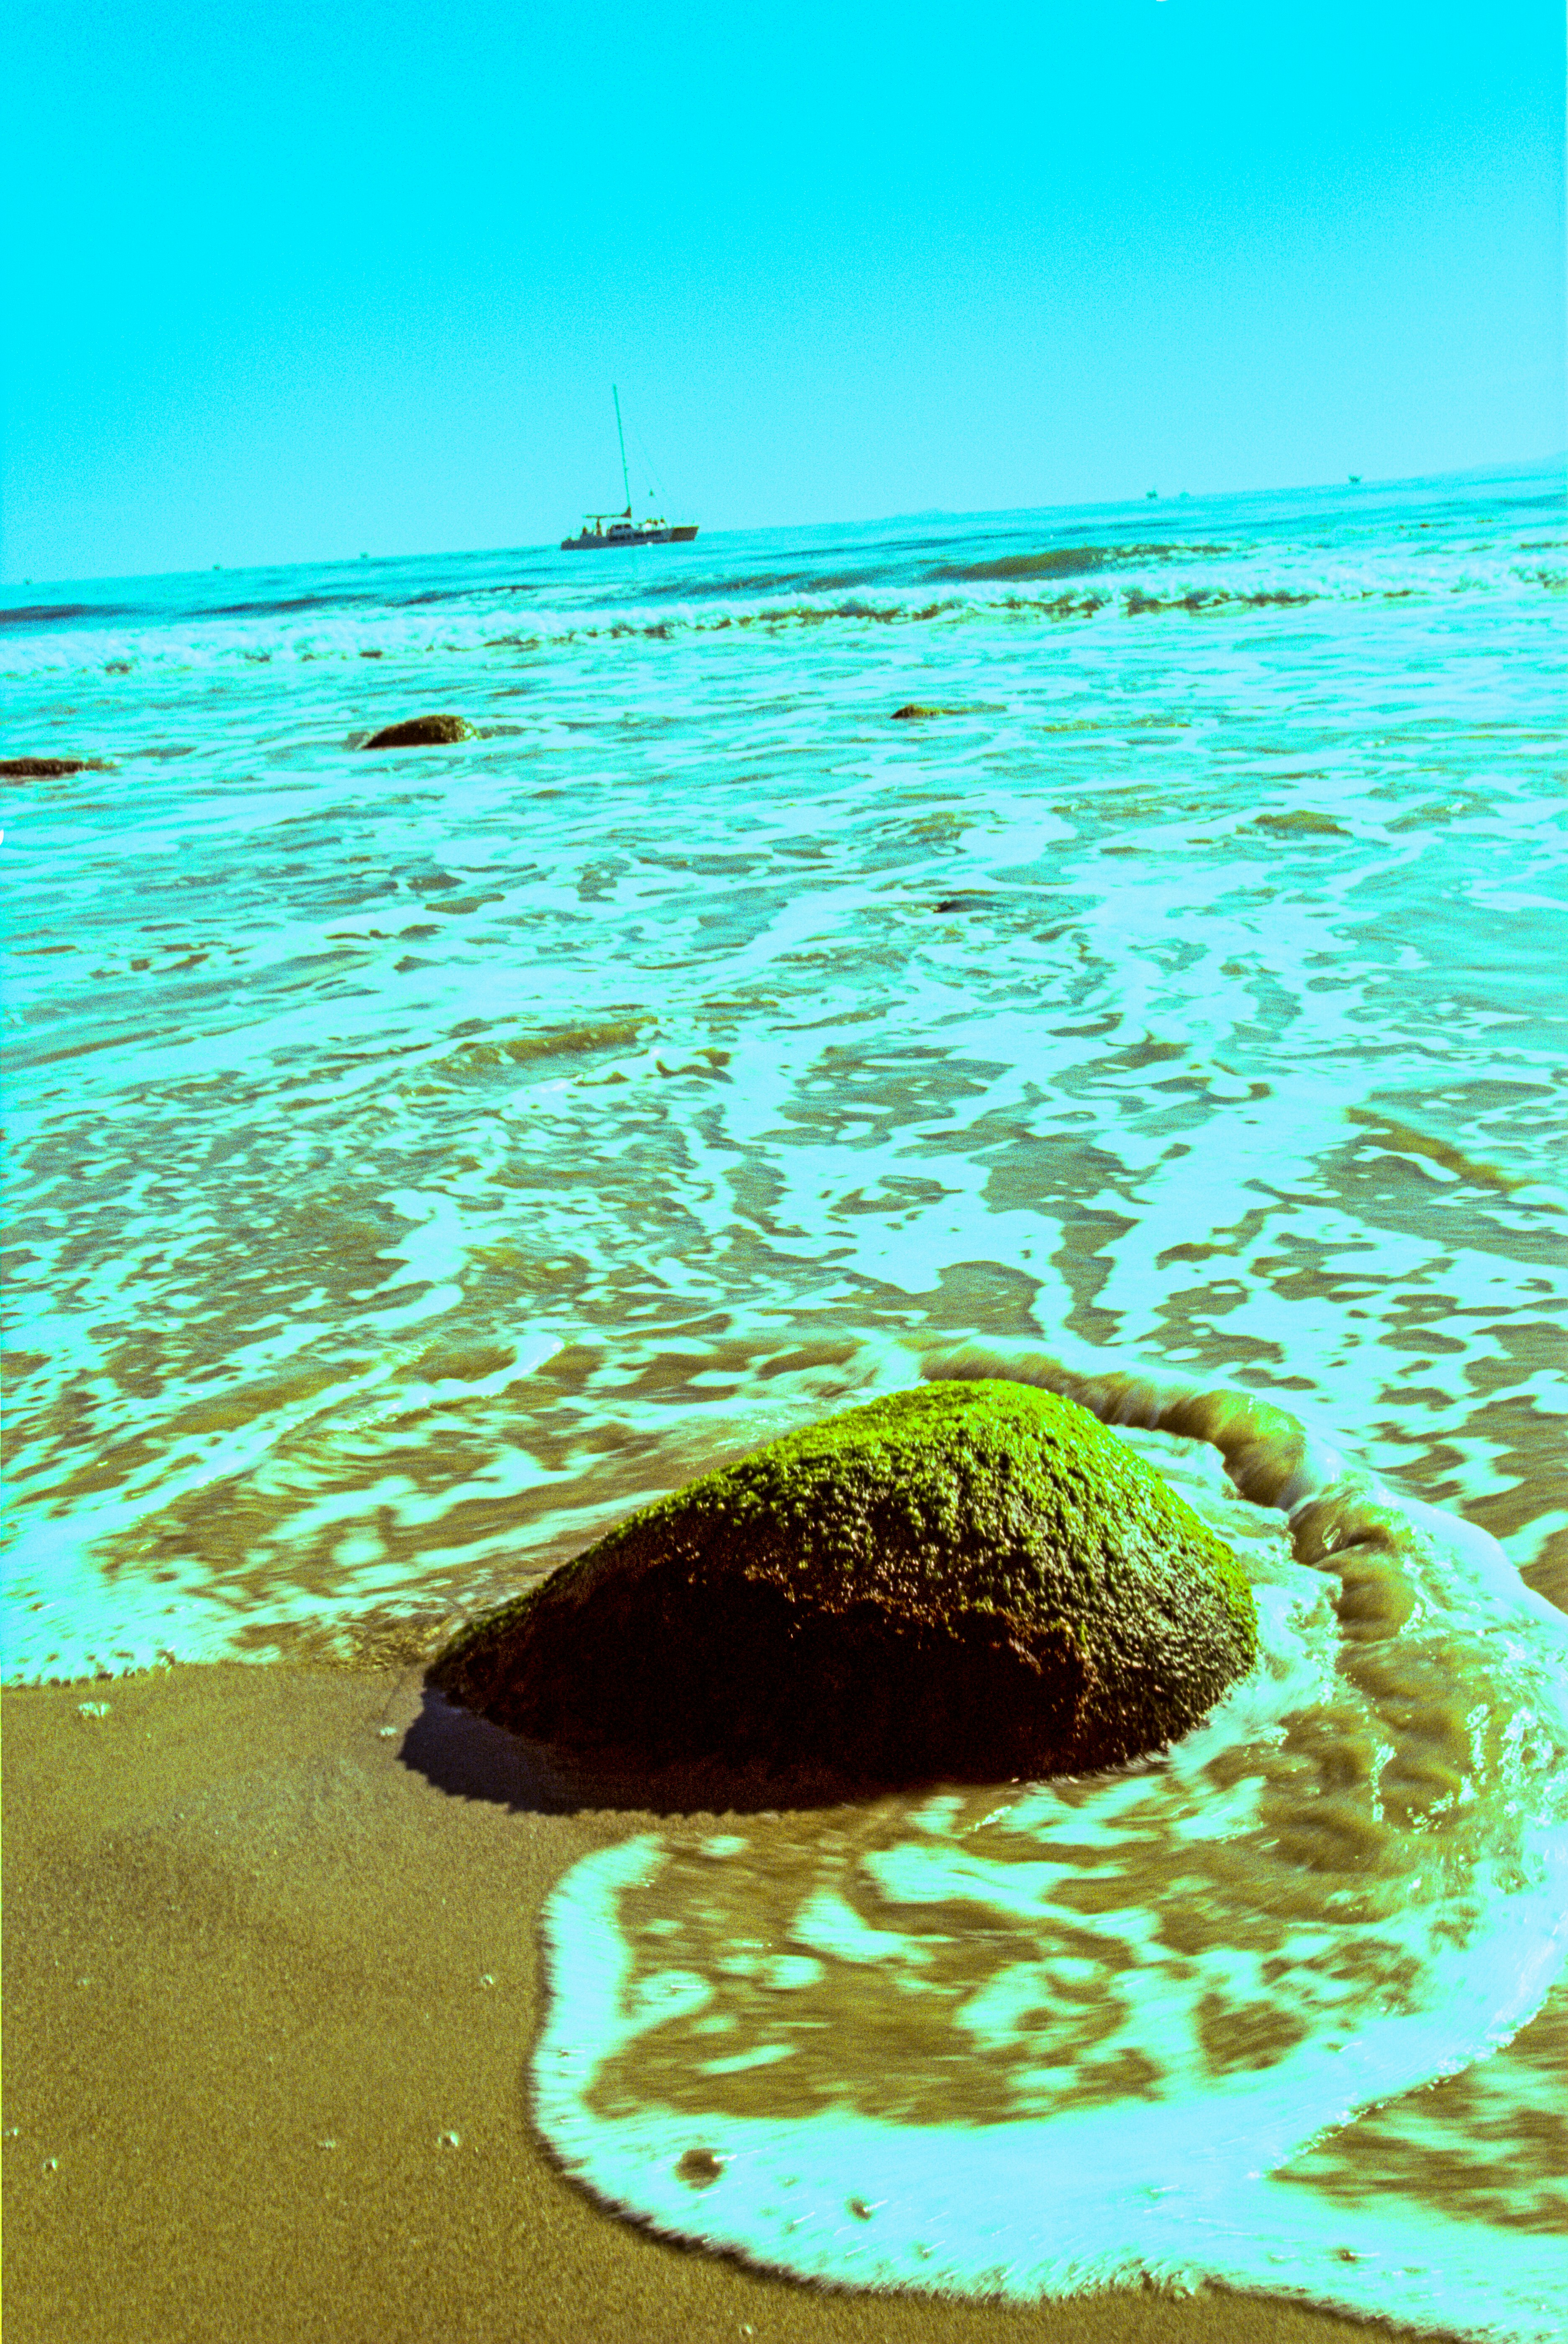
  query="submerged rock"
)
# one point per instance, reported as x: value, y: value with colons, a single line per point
x: 48, y: 769
x: 915, y: 711
x: 974, y: 1580
x: 1302, y: 818
x: 420, y: 733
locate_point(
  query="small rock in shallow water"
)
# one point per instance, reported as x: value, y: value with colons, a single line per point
x: 969, y: 1580
x: 913, y: 709
x: 48, y: 769
x: 420, y: 733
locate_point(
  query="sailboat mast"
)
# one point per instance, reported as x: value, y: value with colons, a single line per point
x: 625, y: 477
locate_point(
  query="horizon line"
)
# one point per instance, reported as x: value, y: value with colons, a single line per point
x: 1556, y: 458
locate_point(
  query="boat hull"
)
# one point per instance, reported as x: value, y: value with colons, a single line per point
x: 592, y: 542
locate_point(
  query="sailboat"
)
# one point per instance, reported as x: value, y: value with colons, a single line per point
x: 623, y: 530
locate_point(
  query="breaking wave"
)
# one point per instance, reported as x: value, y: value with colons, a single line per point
x: 327, y: 630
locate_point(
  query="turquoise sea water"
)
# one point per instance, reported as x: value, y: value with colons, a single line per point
x: 415, y: 1158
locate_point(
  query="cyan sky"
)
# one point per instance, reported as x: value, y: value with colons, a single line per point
x: 292, y: 282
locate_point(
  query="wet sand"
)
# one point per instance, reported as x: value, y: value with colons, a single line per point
x: 269, y: 1995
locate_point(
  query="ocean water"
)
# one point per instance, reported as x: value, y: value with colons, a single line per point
x: 416, y: 1158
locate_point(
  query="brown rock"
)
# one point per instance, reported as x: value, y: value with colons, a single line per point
x: 914, y: 711
x: 48, y: 769
x: 420, y: 733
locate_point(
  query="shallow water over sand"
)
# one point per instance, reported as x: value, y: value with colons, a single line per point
x: 416, y: 1158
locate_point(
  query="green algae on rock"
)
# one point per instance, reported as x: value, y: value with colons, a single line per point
x: 969, y: 1580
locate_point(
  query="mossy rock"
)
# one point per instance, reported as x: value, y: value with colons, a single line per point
x: 420, y: 733
x: 970, y: 1580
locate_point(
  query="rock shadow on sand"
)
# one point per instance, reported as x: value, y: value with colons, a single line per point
x: 468, y: 1757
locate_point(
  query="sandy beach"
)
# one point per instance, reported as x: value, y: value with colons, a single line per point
x: 269, y: 1996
